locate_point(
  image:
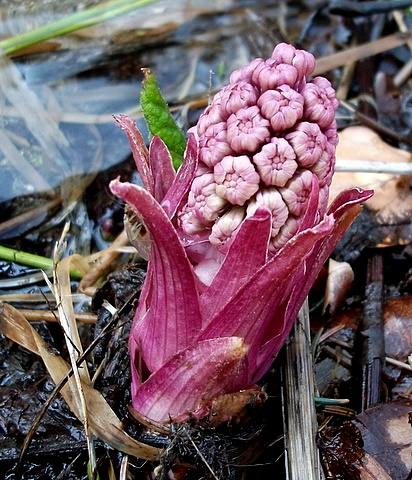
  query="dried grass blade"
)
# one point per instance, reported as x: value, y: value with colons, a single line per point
x: 124, y: 468
x: 62, y: 292
x: 102, y: 263
x: 103, y: 421
x: 67, y: 317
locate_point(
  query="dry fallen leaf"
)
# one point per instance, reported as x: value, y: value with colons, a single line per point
x: 387, y: 436
x: 343, y: 456
x: 392, y: 201
x: 340, y: 279
x: 372, y: 470
x: 103, y: 421
x: 397, y: 315
x: 363, y: 144
x: 398, y: 327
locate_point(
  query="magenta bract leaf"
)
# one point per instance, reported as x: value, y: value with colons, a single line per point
x: 312, y: 209
x: 139, y: 150
x: 344, y: 210
x: 252, y: 308
x: 193, y: 375
x: 161, y: 166
x: 135, y: 367
x: 346, y: 199
x: 246, y: 254
x: 169, y: 317
x: 183, y: 179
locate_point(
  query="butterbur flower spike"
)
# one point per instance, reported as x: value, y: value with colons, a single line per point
x: 237, y: 236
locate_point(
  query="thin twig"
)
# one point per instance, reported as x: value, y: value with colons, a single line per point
x: 398, y: 364
x: 375, y: 125
x: 405, y: 72
x: 53, y: 316
x: 362, y: 51
x: 349, y: 165
x: 202, y: 457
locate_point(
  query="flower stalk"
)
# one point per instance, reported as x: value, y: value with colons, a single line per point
x: 237, y: 236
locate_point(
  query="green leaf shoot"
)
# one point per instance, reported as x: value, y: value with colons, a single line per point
x: 159, y: 120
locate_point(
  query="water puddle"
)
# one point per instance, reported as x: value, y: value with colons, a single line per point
x: 56, y: 104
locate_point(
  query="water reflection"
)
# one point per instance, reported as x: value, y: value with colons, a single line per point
x: 56, y: 102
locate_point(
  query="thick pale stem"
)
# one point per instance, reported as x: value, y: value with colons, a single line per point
x: 302, y: 459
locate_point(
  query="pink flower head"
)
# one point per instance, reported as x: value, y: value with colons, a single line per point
x: 296, y: 192
x: 325, y: 166
x: 236, y: 179
x: 237, y: 238
x: 270, y: 75
x: 303, y: 61
x: 247, y: 130
x: 245, y: 73
x: 289, y: 229
x: 206, y: 204
x: 323, y: 200
x: 276, y: 162
x: 212, y: 115
x: 238, y: 95
x: 320, y: 102
x: 226, y: 227
x: 283, y: 107
x: 190, y: 223
x: 213, y: 144
x: 331, y: 134
x: 273, y: 201
x: 308, y: 142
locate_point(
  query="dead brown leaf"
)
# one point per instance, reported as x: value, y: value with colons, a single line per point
x: 340, y: 279
x: 397, y: 315
x: 398, y: 327
x: 392, y: 201
x: 387, y: 436
x: 343, y: 455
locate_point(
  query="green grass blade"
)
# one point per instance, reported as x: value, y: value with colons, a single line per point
x: 31, y: 260
x: 86, y: 18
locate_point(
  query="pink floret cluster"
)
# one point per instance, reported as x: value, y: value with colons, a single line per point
x: 261, y: 140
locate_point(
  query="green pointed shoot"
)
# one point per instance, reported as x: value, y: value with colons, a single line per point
x: 159, y: 120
